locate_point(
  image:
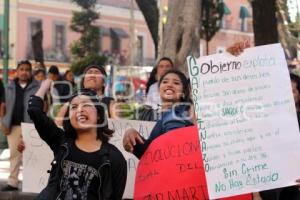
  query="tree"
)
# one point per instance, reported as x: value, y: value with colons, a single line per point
x: 181, y: 35
x: 264, y: 22
x: 288, y: 30
x: 151, y: 15
x: 212, y: 14
x: 85, y: 50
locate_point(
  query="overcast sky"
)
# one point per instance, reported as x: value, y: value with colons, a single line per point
x: 292, y: 4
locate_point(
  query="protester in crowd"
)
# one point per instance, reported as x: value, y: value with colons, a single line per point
x: 153, y: 98
x: 152, y: 79
x: 68, y: 86
x: 175, y: 112
x: 93, y: 78
x: 54, y: 95
x: 16, y: 101
x: 53, y: 73
x: 292, y: 192
x: 85, y: 166
x: 295, y: 82
x: 3, y: 140
x: 39, y: 74
x: 2, y: 99
x: 69, y: 76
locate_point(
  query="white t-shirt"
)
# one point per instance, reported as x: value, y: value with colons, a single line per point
x: 153, y: 97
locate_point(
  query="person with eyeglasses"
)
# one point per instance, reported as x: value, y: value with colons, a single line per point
x: 17, y: 95
x: 85, y: 165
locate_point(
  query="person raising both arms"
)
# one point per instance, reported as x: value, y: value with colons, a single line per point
x: 85, y: 165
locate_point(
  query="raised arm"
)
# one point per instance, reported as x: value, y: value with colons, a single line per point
x: 45, y: 126
x: 238, y: 48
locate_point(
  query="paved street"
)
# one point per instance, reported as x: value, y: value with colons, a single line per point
x: 4, y: 166
x: 4, y: 172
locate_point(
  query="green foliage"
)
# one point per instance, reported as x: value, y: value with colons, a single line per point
x: 90, y: 40
x: 86, y: 4
x: 85, y: 50
x: 212, y: 14
x: 76, y: 49
x: 93, y: 58
x: 128, y: 110
x: 81, y: 21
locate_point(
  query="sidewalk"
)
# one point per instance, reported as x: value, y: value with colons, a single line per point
x: 4, y: 173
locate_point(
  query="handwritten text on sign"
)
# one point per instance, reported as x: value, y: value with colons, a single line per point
x: 172, y: 168
x: 247, y: 120
x: 38, y: 156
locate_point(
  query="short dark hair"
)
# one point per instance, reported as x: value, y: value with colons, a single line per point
x: 53, y: 70
x: 184, y: 81
x: 103, y: 132
x: 24, y: 62
x: 100, y: 68
x: 152, y: 79
x: 39, y: 70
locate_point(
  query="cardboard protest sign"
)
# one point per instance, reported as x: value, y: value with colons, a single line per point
x: 172, y: 168
x: 120, y: 126
x: 37, y: 156
x: 247, y: 121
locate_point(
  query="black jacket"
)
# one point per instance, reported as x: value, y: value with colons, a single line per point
x: 112, y: 173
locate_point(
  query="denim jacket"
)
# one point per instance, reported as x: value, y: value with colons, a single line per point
x: 176, y: 117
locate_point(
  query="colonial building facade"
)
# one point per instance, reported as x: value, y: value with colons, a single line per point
x: 53, y: 18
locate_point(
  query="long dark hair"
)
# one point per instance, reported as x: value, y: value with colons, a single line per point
x: 65, y: 77
x: 152, y: 79
x: 167, y: 59
x: 296, y: 79
x: 103, y: 132
x: 184, y: 81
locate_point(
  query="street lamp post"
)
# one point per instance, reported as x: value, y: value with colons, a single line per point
x: 6, y: 41
x: 132, y: 34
